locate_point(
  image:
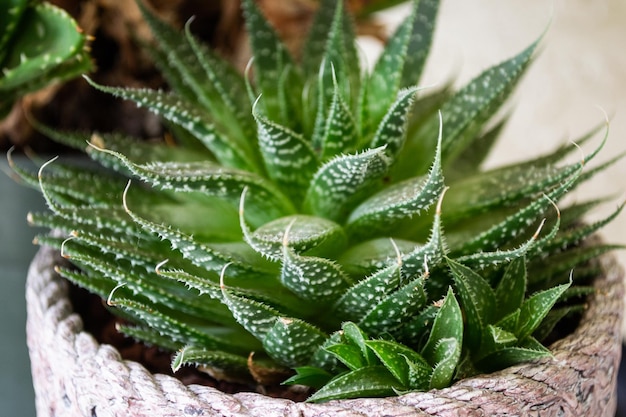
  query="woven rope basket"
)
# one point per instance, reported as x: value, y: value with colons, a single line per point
x: 73, y: 375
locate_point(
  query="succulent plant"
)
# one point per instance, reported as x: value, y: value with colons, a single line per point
x: 294, y: 228
x: 39, y: 44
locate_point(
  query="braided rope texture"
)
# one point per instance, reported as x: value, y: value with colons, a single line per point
x: 73, y: 375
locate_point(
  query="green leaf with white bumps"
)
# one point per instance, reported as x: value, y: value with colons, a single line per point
x: 270, y: 57
x: 395, y: 309
x: 47, y: 38
x: 340, y: 131
x: 391, y: 131
x: 339, y: 183
x: 465, y: 113
x: 399, y: 202
x: 447, y: 352
x: 312, y: 278
x: 359, y: 298
x: 289, y: 159
x: 535, y: 309
x: 387, y: 73
x: 265, y: 201
x: 10, y: 16
x: 234, y: 365
x: 448, y: 324
x: 528, y: 351
x: 314, y: 236
x: 350, y: 355
x: 511, y: 289
x: 477, y: 298
x: 292, y: 342
x: 371, y: 381
x: 256, y: 317
x: 191, y: 118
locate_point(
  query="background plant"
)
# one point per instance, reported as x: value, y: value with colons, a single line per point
x: 39, y: 44
x: 301, y: 216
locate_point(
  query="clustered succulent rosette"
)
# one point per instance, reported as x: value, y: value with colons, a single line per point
x: 294, y: 228
x: 39, y: 44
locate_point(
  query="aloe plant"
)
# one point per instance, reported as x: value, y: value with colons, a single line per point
x: 39, y: 44
x: 295, y: 230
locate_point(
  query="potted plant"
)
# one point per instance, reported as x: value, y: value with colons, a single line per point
x: 317, y: 227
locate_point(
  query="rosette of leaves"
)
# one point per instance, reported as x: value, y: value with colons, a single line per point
x: 295, y: 227
x: 39, y: 44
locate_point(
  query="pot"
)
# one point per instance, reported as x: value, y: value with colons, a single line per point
x: 74, y: 375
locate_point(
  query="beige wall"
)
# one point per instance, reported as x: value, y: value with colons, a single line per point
x: 582, y: 65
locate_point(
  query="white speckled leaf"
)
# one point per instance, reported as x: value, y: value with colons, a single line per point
x: 395, y: 309
x: 535, y: 309
x: 448, y: 351
x: 312, y: 278
x: 357, y: 300
x: 270, y: 57
x: 398, y: 202
x: 313, y: 235
x: 342, y: 180
x: 289, y: 159
x: 448, y: 323
x: 477, y: 298
x: 189, y: 117
x: 293, y: 342
x: 340, y: 132
x: 391, y: 131
x: 265, y: 201
x: 372, y: 381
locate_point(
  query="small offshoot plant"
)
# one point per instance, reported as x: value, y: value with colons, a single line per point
x: 39, y: 44
x: 293, y: 230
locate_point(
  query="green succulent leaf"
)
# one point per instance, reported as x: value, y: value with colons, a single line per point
x: 359, y: 298
x: 420, y: 40
x: 47, y: 39
x: 371, y: 381
x: 478, y: 300
x: 448, y: 324
x: 313, y: 278
x: 339, y: 183
x: 395, y: 309
x: 386, y: 76
x: 401, y: 361
x: 292, y: 342
x: 466, y: 112
x: 511, y: 289
x: 530, y: 350
x: 256, y: 317
x: 289, y: 159
x: 391, y: 131
x: 314, y: 236
x: 265, y: 202
x: 309, y: 376
x: 192, y: 119
x: 10, y: 16
x: 448, y: 353
x: 399, y: 202
x: 535, y: 309
x: 235, y: 366
x: 340, y: 131
x: 148, y: 336
x: 270, y: 57
x: 317, y: 37
x: 513, y: 225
